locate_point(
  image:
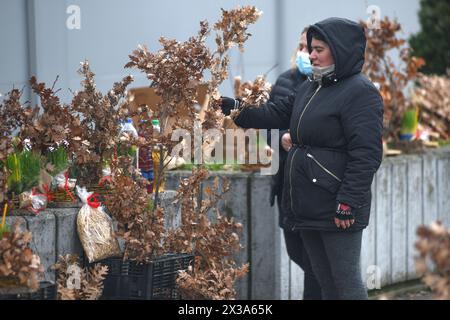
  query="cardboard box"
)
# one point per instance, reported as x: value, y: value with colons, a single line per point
x: 147, y: 96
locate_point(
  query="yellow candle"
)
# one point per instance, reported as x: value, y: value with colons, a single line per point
x: 4, y: 214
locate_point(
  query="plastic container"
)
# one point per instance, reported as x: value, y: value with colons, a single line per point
x: 129, y: 280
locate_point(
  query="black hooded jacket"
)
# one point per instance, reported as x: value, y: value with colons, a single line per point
x: 336, y: 128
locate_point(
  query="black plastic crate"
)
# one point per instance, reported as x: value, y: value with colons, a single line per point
x: 46, y: 291
x: 153, y: 281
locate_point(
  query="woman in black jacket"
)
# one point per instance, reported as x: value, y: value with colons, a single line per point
x: 286, y: 85
x: 336, y: 123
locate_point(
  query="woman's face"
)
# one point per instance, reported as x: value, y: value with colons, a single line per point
x: 320, y: 55
x: 303, y: 46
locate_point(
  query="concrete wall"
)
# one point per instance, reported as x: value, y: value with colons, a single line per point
x: 54, y: 234
x: 408, y: 191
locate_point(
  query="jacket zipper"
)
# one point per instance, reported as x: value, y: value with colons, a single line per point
x: 298, y: 138
x: 290, y: 179
x: 303, y: 112
x: 323, y: 167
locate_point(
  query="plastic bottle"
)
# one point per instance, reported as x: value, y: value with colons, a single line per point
x: 127, y: 127
x: 156, y: 158
x: 156, y: 127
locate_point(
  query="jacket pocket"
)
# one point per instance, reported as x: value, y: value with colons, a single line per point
x: 322, y: 174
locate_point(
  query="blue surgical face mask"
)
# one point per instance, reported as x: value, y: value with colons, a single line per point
x: 303, y: 63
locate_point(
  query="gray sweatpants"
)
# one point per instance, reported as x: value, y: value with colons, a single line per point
x: 335, y: 260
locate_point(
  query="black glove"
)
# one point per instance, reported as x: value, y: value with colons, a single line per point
x: 229, y: 104
x: 344, y: 212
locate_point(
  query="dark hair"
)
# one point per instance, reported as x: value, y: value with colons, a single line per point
x: 306, y: 29
x: 317, y: 35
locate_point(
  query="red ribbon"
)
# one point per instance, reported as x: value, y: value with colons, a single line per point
x: 92, y: 201
x: 66, y: 186
x: 47, y: 194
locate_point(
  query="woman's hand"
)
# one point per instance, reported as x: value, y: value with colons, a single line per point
x: 229, y: 104
x: 344, y: 218
x: 286, y: 141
